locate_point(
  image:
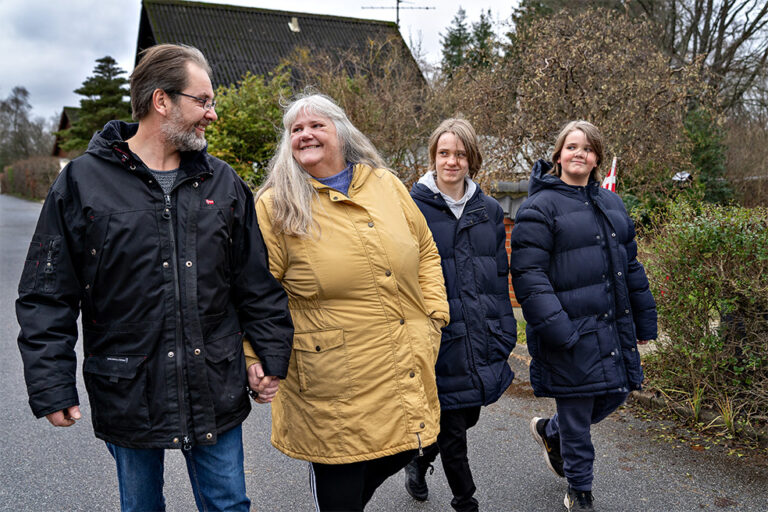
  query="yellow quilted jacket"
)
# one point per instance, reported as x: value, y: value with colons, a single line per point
x: 367, y: 299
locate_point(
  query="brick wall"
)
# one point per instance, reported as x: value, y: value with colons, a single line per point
x: 508, y: 224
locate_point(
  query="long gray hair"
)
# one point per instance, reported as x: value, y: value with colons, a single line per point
x: 293, y: 192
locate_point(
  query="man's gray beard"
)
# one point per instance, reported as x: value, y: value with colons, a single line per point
x: 179, y: 136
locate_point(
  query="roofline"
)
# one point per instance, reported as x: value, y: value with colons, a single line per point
x: 270, y: 11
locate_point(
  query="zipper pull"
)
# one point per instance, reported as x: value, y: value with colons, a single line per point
x: 49, y: 259
x: 186, y: 444
x: 167, y: 211
x: 421, y: 452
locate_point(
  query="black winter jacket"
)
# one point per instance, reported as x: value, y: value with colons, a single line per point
x: 472, y: 368
x: 167, y: 286
x: 583, y: 292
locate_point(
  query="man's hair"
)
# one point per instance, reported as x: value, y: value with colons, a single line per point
x: 594, y: 138
x: 163, y: 66
x: 463, y: 131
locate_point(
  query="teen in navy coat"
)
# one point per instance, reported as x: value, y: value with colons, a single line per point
x: 472, y: 368
x: 585, y: 298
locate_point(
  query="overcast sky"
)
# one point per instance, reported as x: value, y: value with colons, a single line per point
x: 50, y: 46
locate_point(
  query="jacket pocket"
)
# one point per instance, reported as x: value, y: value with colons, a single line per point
x: 39, y: 272
x: 435, y: 334
x: 117, y: 389
x: 227, y: 377
x: 453, y: 363
x: 502, y: 344
x: 580, y: 364
x: 323, y: 364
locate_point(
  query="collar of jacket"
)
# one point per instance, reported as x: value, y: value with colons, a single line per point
x: 541, y: 179
x: 110, y: 144
x: 360, y: 174
x: 423, y: 193
x: 475, y: 211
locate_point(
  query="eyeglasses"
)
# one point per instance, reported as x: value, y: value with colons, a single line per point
x: 204, y: 102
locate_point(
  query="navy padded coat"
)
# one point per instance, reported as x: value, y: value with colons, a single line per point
x: 472, y: 368
x: 583, y: 293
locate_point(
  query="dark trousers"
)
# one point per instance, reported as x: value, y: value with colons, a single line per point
x: 452, y: 446
x: 349, y: 487
x: 572, y: 423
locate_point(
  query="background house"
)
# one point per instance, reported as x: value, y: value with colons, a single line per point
x: 239, y: 39
x: 68, y: 116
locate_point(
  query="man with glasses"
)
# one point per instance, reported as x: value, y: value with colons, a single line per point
x: 156, y: 243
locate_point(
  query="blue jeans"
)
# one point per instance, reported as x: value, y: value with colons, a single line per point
x: 572, y: 424
x: 215, y: 472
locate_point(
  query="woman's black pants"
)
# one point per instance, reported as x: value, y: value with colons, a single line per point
x: 452, y: 446
x: 349, y: 487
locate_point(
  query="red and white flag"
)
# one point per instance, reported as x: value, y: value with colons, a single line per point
x: 610, y: 180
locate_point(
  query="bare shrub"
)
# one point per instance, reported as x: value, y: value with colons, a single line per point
x: 31, y: 177
x: 383, y: 93
x: 599, y: 66
x: 747, y: 160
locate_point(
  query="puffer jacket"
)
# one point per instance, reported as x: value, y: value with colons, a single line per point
x: 583, y: 293
x: 167, y: 287
x: 472, y: 366
x: 367, y: 298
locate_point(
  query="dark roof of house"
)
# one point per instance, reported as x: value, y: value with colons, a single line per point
x: 68, y: 116
x: 238, y: 39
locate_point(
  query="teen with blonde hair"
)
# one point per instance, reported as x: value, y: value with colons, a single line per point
x: 586, y: 300
x: 472, y: 368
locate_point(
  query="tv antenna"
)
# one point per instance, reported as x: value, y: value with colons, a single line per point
x: 397, y: 8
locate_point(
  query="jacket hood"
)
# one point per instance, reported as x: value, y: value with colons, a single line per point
x: 110, y: 144
x: 113, y: 133
x: 426, y: 190
x: 541, y: 180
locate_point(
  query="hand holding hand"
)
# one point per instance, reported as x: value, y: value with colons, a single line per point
x: 263, y: 387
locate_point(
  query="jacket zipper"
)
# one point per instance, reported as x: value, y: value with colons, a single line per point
x: 603, y: 219
x: 186, y: 443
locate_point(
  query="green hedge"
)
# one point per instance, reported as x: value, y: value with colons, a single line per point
x: 30, y: 178
x: 708, y: 267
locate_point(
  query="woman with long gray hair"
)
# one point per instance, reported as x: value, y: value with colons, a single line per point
x: 367, y: 298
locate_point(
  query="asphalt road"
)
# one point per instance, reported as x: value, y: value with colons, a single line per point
x: 67, y: 469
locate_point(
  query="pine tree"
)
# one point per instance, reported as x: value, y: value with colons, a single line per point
x: 104, y: 100
x: 484, y: 42
x: 455, y: 43
x: 708, y: 155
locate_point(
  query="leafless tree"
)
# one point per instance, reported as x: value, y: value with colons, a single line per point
x: 732, y: 35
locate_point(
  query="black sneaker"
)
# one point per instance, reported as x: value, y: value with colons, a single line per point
x: 415, y: 483
x: 551, y: 446
x: 578, y: 500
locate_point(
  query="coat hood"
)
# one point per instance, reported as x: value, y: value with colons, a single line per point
x: 114, y: 133
x: 426, y: 190
x: 110, y: 144
x: 541, y: 180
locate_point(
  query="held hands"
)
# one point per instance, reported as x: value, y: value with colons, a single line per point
x: 65, y: 417
x: 263, y: 387
x: 642, y: 342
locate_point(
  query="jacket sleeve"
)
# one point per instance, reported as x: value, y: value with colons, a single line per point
x: 532, y: 245
x: 430, y: 271
x: 506, y: 314
x: 48, y: 303
x: 640, y: 296
x: 260, y: 299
